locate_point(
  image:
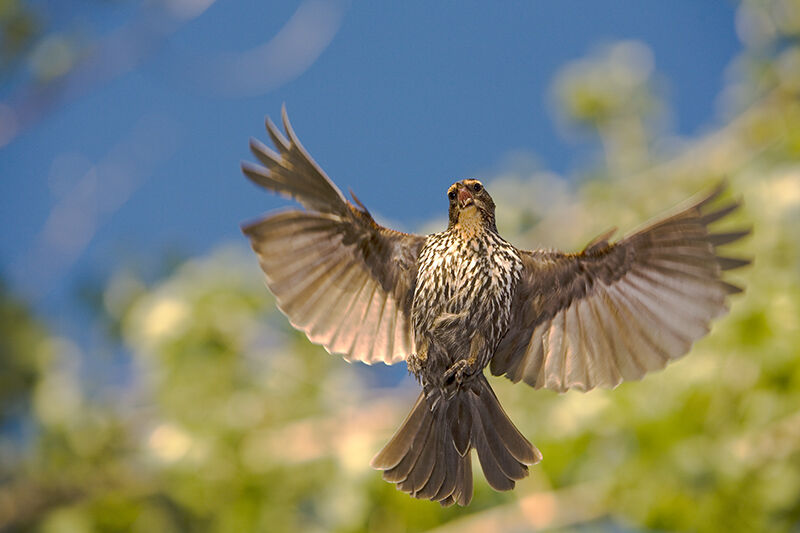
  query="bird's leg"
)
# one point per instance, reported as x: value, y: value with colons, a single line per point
x: 416, y: 361
x: 456, y: 371
x: 466, y: 367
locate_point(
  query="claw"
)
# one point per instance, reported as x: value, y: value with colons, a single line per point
x: 456, y: 371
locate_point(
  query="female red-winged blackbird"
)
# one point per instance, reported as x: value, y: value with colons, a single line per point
x: 454, y: 302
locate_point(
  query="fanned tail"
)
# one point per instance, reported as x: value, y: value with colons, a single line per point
x: 429, y: 456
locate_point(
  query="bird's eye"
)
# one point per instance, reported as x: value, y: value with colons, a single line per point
x: 452, y: 195
x: 477, y: 187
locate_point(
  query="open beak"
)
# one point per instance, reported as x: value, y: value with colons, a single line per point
x: 465, y: 198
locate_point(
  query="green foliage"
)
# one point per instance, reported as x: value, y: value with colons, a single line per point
x: 232, y: 421
x: 19, y: 338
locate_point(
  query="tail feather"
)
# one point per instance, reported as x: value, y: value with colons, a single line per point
x: 457, y: 417
x: 509, y: 465
x: 423, y: 468
x: 429, y: 456
x: 497, y: 479
x: 401, y: 472
x: 398, y: 446
x: 463, y: 493
x: 515, y: 442
x: 434, y: 483
x: 451, y: 462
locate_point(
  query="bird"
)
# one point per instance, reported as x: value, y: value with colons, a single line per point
x: 456, y: 302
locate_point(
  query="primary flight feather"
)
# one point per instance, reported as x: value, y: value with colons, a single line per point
x: 452, y: 303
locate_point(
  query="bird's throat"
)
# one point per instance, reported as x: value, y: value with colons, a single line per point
x: 470, y: 221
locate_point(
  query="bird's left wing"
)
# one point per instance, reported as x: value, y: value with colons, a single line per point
x: 338, y: 276
x: 616, y: 311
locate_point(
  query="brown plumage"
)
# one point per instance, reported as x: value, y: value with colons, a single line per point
x: 455, y: 302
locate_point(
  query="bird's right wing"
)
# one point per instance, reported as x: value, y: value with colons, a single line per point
x: 616, y: 311
x: 341, y: 278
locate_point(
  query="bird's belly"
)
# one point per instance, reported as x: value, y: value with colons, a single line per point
x: 458, y: 296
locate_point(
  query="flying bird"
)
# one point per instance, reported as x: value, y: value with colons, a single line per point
x: 452, y: 303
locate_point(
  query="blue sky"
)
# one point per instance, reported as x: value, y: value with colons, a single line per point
x: 395, y: 100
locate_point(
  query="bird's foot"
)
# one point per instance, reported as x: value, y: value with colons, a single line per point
x: 458, y: 371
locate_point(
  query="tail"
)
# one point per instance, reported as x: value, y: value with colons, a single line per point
x: 429, y: 456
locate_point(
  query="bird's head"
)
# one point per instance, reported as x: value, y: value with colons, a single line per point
x: 470, y: 204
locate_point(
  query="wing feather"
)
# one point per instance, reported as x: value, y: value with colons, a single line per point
x: 617, y: 311
x: 338, y: 276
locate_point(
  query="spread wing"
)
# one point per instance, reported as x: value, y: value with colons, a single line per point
x: 616, y: 311
x: 338, y: 276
